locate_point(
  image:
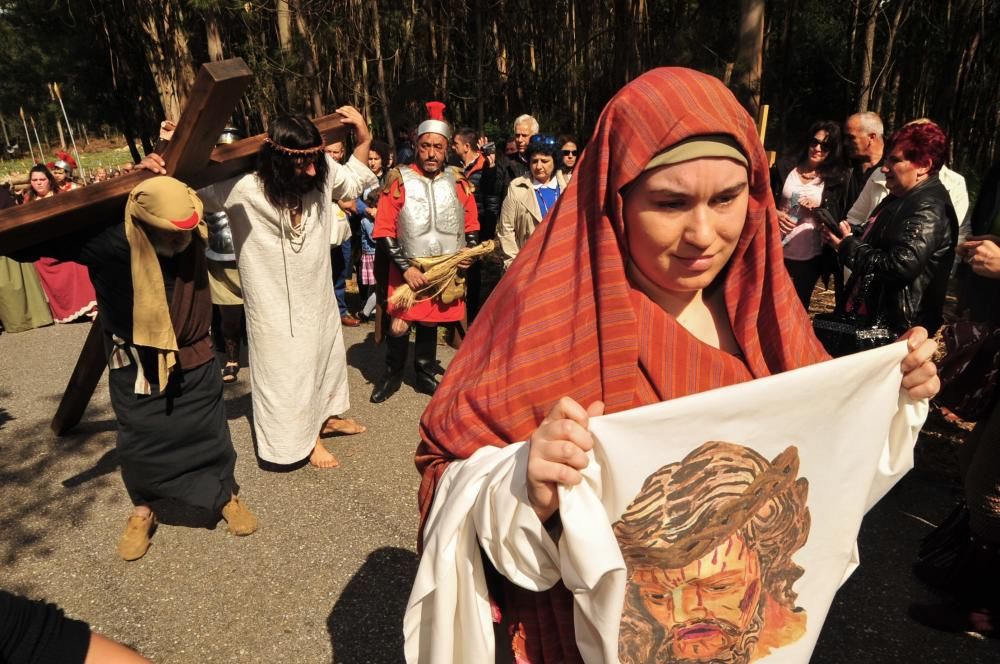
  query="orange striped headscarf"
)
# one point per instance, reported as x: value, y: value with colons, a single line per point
x: 565, y: 321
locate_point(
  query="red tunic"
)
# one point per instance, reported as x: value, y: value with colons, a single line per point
x: 389, y: 205
x: 66, y: 284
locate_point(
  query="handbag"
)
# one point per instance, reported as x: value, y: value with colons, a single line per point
x: 843, y: 333
x: 970, y: 369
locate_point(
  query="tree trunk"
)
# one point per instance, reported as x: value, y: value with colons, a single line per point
x: 383, y: 95
x: 62, y: 138
x: 169, y: 56
x: 284, y: 18
x: 213, y: 38
x: 311, y: 61
x: 867, y: 57
x: 750, y: 56
x: 883, y: 78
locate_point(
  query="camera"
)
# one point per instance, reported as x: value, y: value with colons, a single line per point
x: 488, y: 148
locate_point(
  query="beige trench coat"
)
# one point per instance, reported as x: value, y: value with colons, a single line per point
x: 520, y: 216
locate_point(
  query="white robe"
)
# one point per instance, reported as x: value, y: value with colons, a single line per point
x: 854, y: 429
x: 298, y: 367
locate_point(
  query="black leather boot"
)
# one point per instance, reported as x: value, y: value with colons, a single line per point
x: 395, y: 358
x: 425, y: 359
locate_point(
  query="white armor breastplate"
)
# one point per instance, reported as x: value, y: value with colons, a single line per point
x: 432, y: 221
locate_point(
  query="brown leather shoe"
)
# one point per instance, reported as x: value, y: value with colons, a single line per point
x: 349, y: 321
x: 135, y: 541
x: 241, y: 520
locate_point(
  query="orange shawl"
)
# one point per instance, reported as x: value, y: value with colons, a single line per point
x: 565, y: 321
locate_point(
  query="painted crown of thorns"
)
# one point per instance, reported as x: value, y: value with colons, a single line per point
x: 293, y: 152
x: 710, y: 527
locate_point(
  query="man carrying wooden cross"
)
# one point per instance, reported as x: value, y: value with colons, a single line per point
x: 151, y: 281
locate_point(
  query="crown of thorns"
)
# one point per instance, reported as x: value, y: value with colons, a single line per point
x: 293, y: 152
x: 714, y: 526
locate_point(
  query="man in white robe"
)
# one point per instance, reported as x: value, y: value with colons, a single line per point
x: 281, y: 218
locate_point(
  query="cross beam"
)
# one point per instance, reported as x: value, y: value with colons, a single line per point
x: 190, y: 157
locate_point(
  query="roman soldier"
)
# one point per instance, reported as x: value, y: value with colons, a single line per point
x: 62, y: 170
x: 426, y: 210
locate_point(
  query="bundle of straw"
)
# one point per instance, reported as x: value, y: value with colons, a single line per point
x: 442, y: 278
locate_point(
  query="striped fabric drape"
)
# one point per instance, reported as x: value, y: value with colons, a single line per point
x: 565, y: 321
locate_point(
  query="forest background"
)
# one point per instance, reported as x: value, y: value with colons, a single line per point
x: 123, y: 65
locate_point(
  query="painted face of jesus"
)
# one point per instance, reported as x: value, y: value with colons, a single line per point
x: 708, y: 608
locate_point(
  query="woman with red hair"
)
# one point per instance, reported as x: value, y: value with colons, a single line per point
x: 658, y: 274
x: 900, y: 264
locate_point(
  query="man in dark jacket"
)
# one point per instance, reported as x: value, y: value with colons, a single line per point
x: 865, y: 144
x: 489, y: 189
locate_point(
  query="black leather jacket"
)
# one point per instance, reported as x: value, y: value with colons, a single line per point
x: 906, y: 257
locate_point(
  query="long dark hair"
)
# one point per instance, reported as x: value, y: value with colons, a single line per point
x: 53, y: 185
x: 833, y: 169
x: 384, y: 151
x: 276, y: 169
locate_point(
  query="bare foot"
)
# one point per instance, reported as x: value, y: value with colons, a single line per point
x: 342, y: 426
x: 321, y: 458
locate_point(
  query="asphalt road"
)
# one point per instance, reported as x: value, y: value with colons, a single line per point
x: 327, y: 576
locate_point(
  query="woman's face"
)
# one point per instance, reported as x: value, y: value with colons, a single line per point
x: 818, y: 149
x: 569, y: 154
x: 375, y: 162
x: 40, y: 184
x: 542, y: 166
x: 683, y: 222
x: 901, y: 174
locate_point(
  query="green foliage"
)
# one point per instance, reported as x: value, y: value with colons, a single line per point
x: 491, y: 60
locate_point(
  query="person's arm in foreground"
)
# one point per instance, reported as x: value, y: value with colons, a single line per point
x: 103, y: 650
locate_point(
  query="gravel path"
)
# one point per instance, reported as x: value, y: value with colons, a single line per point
x: 327, y: 576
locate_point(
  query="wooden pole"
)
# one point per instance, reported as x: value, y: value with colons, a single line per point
x: 35, y: 129
x: 762, y: 122
x: 6, y: 138
x: 72, y: 139
x: 86, y: 375
x: 28, y: 136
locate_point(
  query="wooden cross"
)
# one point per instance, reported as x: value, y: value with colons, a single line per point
x: 190, y: 157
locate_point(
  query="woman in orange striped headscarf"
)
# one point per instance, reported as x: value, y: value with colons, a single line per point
x: 659, y: 274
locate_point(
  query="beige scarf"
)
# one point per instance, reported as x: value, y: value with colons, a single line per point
x: 165, y: 204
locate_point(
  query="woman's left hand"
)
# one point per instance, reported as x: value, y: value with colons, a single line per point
x: 834, y: 240
x: 920, y: 379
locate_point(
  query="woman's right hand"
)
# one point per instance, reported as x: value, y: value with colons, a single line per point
x: 557, y: 452
x: 786, y: 223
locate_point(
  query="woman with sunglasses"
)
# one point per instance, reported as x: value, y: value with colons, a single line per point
x: 812, y: 179
x: 530, y: 197
x: 568, y: 155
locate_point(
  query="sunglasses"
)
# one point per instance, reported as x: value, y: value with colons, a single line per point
x: 570, y: 153
x: 816, y: 143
